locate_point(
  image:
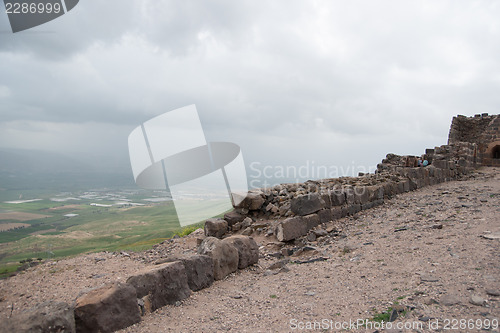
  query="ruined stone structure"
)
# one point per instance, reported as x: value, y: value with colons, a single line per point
x: 473, y: 141
x: 481, y: 130
x: 286, y: 211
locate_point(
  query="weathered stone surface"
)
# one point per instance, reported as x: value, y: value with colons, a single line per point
x: 307, y: 204
x: 353, y: 209
x: 253, y: 201
x: 248, y: 250
x: 326, y: 199
x: 477, y: 300
x: 247, y: 232
x: 199, y: 270
x: 295, y: 227
x: 224, y: 255
x: 107, y: 309
x: 449, y: 300
x: 162, y: 285
x: 367, y: 205
x: 325, y: 215
x: 336, y: 213
x: 311, y: 236
x: 215, y: 227
x: 361, y: 195
x: 233, y: 217
x: 50, y: 317
x: 320, y: 232
x: 337, y: 197
x: 349, y: 195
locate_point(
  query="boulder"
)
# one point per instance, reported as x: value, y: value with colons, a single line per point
x: 248, y: 250
x: 161, y: 285
x: 233, y: 217
x: 307, y: 204
x: 107, y: 309
x: 224, y: 255
x: 215, y: 228
x: 295, y: 227
x: 50, y: 317
x: 253, y: 201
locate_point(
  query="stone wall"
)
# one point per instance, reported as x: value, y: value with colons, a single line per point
x: 303, y: 206
x: 482, y: 130
x: 117, y: 305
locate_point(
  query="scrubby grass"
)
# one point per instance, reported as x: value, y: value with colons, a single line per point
x: 188, y: 230
x: 7, y: 270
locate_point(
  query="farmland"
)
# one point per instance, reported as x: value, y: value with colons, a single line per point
x: 64, y: 224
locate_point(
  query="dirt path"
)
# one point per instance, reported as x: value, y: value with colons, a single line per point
x: 422, y: 252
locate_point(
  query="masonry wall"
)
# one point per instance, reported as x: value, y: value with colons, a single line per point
x: 482, y: 130
x: 306, y: 205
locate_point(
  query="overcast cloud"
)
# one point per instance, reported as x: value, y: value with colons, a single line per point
x: 335, y: 82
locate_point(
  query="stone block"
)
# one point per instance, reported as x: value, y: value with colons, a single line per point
x: 224, y: 255
x: 307, y: 204
x: 107, y: 309
x: 361, y: 194
x: 253, y: 201
x: 233, y: 217
x: 199, y: 270
x: 296, y: 227
x: 327, y: 200
x: 325, y: 215
x: 337, y: 197
x: 336, y: 213
x: 248, y: 250
x: 161, y: 285
x: 353, y: 209
x: 215, y: 228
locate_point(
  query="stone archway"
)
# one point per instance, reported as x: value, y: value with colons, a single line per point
x: 493, y: 150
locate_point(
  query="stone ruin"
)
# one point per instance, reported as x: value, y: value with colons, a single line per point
x: 286, y: 212
x: 292, y: 210
x: 481, y: 131
x: 117, y: 305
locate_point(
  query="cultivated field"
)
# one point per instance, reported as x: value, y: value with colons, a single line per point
x: 51, y: 234
x: 21, y: 216
x: 11, y: 226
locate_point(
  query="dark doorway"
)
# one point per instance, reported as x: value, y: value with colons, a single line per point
x: 495, y: 153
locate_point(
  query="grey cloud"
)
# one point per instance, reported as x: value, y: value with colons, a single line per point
x: 283, y: 78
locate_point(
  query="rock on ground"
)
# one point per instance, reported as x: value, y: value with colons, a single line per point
x: 107, y: 309
x: 50, y: 317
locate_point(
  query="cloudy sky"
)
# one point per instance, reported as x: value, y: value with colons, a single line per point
x: 336, y: 83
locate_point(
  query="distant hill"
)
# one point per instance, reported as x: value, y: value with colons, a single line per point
x: 35, y: 169
x: 37, y: 161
